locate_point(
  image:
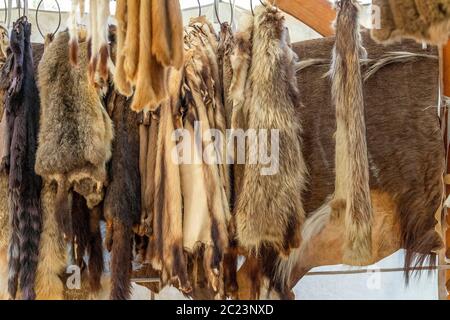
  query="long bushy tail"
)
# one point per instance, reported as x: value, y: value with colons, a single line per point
x: 352, y: 190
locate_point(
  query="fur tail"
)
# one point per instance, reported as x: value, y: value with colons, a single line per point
x: 120, y: 257
x: 352, y: 193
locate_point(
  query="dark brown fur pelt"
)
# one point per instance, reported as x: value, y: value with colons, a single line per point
x: 352, y: 192
x: 22, y: 116
x: 274, y: 220
x: 76, y: 132
x: 122, y: 204
x: 421, y: 20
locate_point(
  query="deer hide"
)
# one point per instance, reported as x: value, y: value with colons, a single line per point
x: 22, y: 114
x: 273, y: 220
x: 122, y: 204
x: 75, y: 131
x: 421, y: 20
x: 352, y: 192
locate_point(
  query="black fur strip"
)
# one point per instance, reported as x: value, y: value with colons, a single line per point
x: 22, y: 107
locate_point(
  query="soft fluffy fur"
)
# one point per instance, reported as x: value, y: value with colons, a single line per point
x: 76, y: 132
x: 131, y: 44
x: 352, y: 192
x: 22, y: 110
x: 422, y: 20
x: 273, y: 220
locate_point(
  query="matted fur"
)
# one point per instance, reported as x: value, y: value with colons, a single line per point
x: 352, y: 192
x: 273, y: 220
x: 76, y: 132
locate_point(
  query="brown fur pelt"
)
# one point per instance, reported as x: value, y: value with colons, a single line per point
x: 52, y: 250
x: 352, y: 192
x: 421, y: 20
x: 122, y: 204
x: 22, y: 116
x: 225, y: 49
x: 407, y: 173
x: 149, y: 43
x: 274, y: 220
x: 75, y: 132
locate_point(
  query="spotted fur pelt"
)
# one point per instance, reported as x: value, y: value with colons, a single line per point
x: 352, y: 200
x: 22, y: 116
x: 122, y: 205
x: 75, y: 133
x: 274, y: 220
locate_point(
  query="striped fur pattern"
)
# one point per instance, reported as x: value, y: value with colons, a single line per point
x: 352, y: 200
x: 275, y: 220
x: 22, y: 114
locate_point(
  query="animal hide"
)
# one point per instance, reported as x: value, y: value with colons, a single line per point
x: 352, y: 192
x: 225, y: 49
x: 75, y: 133
x: 122, y: 204
x: 421, y: 20
x: 405, y: 175
x: 273, y: 220
x: 73, y: 29
x: 22, y: 116
x: 202, y: 170
x: 98, y: 51
x: 52, y: 250
x: 149, y: 43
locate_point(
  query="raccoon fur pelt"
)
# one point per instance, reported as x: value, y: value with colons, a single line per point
x: 421, y: 20
x: 122, y: 204
x: 22, y: 116
x: 269, y: 210
x: 76, y: 132
x: 352, y: 200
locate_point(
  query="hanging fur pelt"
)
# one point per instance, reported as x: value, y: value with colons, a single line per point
x: 352, y: 192
x: 150, y: 41
x: 122, y: 205
x: 75, y: 133
x: 76, y: 14
x: 269, y: 210
x: 225, y: 49
x: 22, y: 116
x: 421, y: 20
x: 98, y: 48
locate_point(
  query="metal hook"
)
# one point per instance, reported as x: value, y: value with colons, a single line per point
x: 199, y: 8
x: 231, y: 10
x: 37, y: 20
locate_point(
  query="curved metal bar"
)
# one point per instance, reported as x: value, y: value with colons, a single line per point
x: 199, y: 8
x: 37, y: 18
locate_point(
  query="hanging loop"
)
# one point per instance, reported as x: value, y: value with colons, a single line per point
x: 37, y: 19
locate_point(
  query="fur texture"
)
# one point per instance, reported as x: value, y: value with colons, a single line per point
x: 76, y: 132
x: 22, y: 110
x: 122, y: 204
x: 261, y: 220
x: 352, y: 192
x: 422, y: 20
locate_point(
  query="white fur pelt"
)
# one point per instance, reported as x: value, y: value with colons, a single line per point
x: 269, y: 209
x: 75, y: 16
x: 352, y: 191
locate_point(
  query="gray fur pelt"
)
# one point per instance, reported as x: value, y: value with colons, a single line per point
x: 76, y: 132
x: 269, y: 210
x: 352, y: 199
